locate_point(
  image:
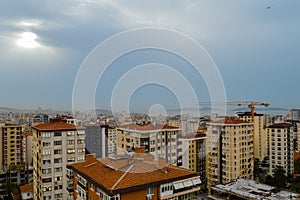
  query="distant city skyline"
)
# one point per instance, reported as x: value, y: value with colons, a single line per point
x: 43, y: 45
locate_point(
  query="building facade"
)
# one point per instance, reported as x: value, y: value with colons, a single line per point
x: 260, y: 147
x: 12, y: 151
x: 55, y: 144
x: 160, y: 140
x: 133, y: 177
x: 101, y: 140
x: 193, y: 154
x: 229, y: 150
x: 281, y: 147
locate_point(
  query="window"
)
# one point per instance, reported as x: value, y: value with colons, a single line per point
x: 71, y: 142
x: 57, y: 134
x: 60, y: 195
x: 46, y: 144
x: 46, y: 188
x: 46, y: 152
x: 46, y: 135
x: 57, y: 187
x: 46, y: 171
x: 71, y: 159
x: 58, y: 142
x: 71, y: 150
x: 57, y: 151
x: 57, y: 169
x: 80, y: 133
x: 79, y: 158
x: 81, y: 180
x: 80, y: 150
x: 57, y: 160
x: 80, y: 141
x: 46, y: 162
x: 69, y: 133
x: 58, y: 178
x: 46, y: 180
x: 98, y: 191
x: 150, y: 190
x: 47, y: 197
x: 92, y: 186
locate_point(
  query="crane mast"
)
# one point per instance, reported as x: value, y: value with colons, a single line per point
x: 250, y: 104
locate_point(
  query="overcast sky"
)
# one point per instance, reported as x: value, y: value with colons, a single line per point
x: 255, y: 45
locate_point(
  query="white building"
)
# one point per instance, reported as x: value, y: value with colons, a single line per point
x: 160, y: 140
x: 55, y: 144
x: 281, y: 147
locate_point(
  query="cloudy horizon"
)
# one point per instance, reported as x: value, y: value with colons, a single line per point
x: 254, y: 44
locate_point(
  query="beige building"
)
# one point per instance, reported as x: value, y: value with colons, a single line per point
x: 160, y: 140
x: 281, y: 147
x: 229, y: 149
x: 193, y: 153
x: 260, y: 147
x: 27, y: 147
x: 11, y: 153
x: 55, y: 144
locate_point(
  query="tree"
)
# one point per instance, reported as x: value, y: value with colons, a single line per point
x: 279, y: 178
x: 269, y: 180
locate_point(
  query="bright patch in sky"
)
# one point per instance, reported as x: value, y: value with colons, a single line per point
x: 28, y: 40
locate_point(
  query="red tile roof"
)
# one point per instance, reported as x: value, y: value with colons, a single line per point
x: 296, y: 155
x: 147, y: 127
x: 51, y: 126
x: 230, y: 120
x: 280, y: 125
x: 27, y: 188
x: 128, y: 172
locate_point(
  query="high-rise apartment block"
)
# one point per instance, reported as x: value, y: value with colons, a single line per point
x: 12, y: 153
x: 259, y: 134
x: 101, y: 140
x: 281, y: 147
x: 160, y: 140
x: 193, y: 154
x: 229, y: 149
x: 55, y: 144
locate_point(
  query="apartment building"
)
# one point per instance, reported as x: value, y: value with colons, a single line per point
x: 12, y: 153
x: 298, y: 136
x: 55, y: 144
x: 260, y: 147
x: 160, y: 140
x: 101, y: 140
x: 132, y: 176
x: 281, y: 147
x: 193, y: 154
x: 229, y: 150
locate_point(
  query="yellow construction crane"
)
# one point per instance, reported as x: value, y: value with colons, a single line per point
x: 250, y: 104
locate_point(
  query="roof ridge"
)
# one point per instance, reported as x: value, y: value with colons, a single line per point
x: 123, y: 175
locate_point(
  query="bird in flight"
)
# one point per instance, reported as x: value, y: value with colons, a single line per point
x: 268, y: 7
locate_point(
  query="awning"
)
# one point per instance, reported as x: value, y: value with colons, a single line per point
x: 187, y: 183
x: 178, y: 185
x: 196, y: 181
